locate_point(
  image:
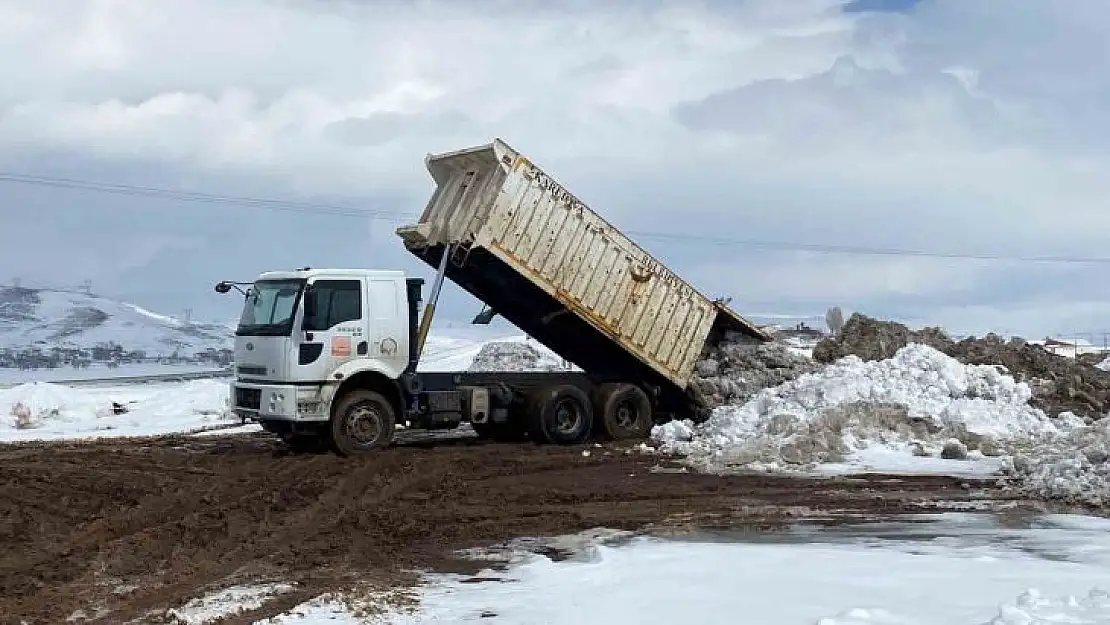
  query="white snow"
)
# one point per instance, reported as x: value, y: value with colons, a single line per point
x: 224, y: 603
x: 1074, y: 466
x: 459, y: 352
x: 866, y: 412
x: 52, y: 318
x: 1104, y: 364
x: 42, y: 411
x: 895, y: 416
x: 954, y: 570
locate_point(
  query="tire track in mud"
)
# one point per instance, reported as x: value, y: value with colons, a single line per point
x: 174, y: 517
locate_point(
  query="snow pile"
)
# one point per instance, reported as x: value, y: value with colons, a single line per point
x: 1034, y: 607
x: 738, y: 367
x: 1104, y: 364
x: 49, y: 411
x: 515, y: 356
x: 919, y: 402
x: 1074, y: 467
x: 1060, y: 384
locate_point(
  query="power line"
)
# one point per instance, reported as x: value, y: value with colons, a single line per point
x: 865, y: 251
x: 352, y: 211
x: 188, y: 196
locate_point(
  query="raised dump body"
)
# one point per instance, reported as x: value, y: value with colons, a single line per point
x: 549, y: 264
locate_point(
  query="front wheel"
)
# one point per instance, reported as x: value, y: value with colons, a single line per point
x: 363, y: 422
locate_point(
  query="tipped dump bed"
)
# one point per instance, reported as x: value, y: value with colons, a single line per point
x: 553, y: 267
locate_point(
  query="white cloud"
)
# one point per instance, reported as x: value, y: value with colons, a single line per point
x: 965, y: 125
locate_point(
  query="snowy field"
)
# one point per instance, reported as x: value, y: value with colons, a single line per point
x: 954, y: 569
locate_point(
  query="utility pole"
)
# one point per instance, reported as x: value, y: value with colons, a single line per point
x: 188, y: 314
x: 86, y: 286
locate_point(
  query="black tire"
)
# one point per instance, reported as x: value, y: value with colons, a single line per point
x: 624, y: 412
x: 362, y: 422
x: 561, y: 414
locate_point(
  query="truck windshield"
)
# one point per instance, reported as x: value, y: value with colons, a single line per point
x: 269, y: 308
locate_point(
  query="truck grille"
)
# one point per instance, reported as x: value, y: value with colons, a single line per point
x: 250, y: 398
x: 251, y: 370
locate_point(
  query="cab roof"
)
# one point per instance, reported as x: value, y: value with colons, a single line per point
x: 303, y: 274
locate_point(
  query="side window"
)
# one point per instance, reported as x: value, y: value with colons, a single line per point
x: 336, y: 301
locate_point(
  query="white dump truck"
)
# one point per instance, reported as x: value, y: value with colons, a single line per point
x: 332, y: 354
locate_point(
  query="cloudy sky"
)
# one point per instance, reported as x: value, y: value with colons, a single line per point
x: 734, y: 135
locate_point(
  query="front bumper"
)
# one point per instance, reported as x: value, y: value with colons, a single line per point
x: 276, y: 402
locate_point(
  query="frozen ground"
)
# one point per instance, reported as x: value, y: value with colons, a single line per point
x: 957, y: 569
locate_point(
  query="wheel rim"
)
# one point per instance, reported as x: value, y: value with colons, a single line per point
x: 364, y: 424
x: 568, y: 416
x: 627, y: 414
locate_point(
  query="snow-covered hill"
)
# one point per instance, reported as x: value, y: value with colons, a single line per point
x: 49, y: 318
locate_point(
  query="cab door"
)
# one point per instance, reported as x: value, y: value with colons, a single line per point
x: 332, y: 327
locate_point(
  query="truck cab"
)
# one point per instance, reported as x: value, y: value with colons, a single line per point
x: 304, y: 335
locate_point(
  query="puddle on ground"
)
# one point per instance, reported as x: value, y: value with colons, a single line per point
x: 1044, y: 536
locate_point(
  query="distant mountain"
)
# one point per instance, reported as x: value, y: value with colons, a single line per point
x: 51, y: 318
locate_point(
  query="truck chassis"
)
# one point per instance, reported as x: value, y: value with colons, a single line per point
x: 560, y: 407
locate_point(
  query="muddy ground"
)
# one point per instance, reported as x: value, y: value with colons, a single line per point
x: 125, y: 529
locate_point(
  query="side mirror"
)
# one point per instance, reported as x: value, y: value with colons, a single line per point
x: 222, y: 287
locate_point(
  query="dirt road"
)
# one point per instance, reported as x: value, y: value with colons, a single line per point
x: 125, y: 529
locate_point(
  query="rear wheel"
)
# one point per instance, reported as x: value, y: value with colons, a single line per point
x: 362, y: 422
x: 561, y: 414
x: 624, y: 412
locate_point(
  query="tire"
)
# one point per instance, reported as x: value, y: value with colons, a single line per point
x: 562, y: 415
x: 368, y: 411
x: 624, y: 412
